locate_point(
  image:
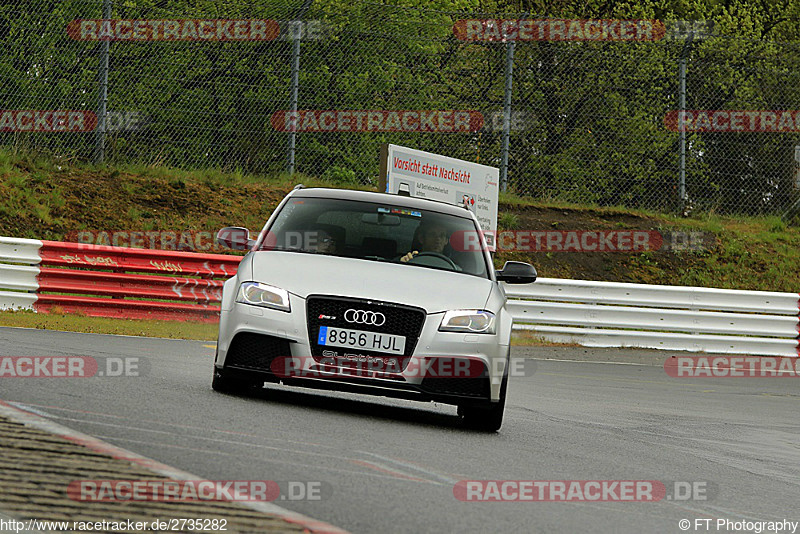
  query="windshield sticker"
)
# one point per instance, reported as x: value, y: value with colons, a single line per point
x: 408, y: 213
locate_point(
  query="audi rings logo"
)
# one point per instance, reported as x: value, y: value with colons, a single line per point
x: 364, y: 317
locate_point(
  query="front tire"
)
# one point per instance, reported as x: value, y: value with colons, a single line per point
x: 226, y: 384
x: 488, y: 417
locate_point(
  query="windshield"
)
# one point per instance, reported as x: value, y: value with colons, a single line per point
x: 376, y: 232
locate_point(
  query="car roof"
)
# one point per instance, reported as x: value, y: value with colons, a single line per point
x: 395, y: 200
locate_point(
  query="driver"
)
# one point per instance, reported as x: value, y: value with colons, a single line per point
x: 432, y: 237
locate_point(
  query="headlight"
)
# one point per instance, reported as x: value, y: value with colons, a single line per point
x: 471, y: 321
x: 263, y: 295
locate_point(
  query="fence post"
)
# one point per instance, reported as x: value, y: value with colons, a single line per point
x: 681, y: 123
x: 298, y: 16
x: 102, y: 98
x: 506, y: 115
x: 293, y: 103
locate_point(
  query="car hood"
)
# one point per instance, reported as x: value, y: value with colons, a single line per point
x: 431, y: 289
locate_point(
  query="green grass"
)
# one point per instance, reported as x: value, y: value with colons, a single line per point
x: 212, y: 176
x: 507, y: 221
x: 103, y: 325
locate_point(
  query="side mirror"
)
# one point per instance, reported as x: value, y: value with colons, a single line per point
x: 517, y: 272
x: 235, y: 237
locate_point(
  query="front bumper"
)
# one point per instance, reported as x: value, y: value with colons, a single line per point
x: 453, y: 368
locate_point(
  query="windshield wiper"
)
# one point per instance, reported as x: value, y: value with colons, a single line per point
x: 293, y: 249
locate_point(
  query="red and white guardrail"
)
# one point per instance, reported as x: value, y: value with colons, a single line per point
x: 141, y: 283
x: 104, y: 281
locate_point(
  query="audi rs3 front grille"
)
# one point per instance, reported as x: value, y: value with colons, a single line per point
x: 367, y: 316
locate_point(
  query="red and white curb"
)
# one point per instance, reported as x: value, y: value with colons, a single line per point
x: 99, y: 446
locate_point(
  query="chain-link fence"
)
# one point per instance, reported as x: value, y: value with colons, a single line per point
x: 317, y: 87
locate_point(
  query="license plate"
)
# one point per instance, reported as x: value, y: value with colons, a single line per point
x: 358, y: 339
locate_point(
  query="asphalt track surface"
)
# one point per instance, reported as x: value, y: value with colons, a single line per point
x: 390, y: 465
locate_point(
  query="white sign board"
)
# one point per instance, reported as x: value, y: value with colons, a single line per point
x: 421, y: 174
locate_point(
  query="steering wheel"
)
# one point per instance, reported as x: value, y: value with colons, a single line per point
x: 436, y: 255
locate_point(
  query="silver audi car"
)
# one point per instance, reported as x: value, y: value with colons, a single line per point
x: 369, y: 293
